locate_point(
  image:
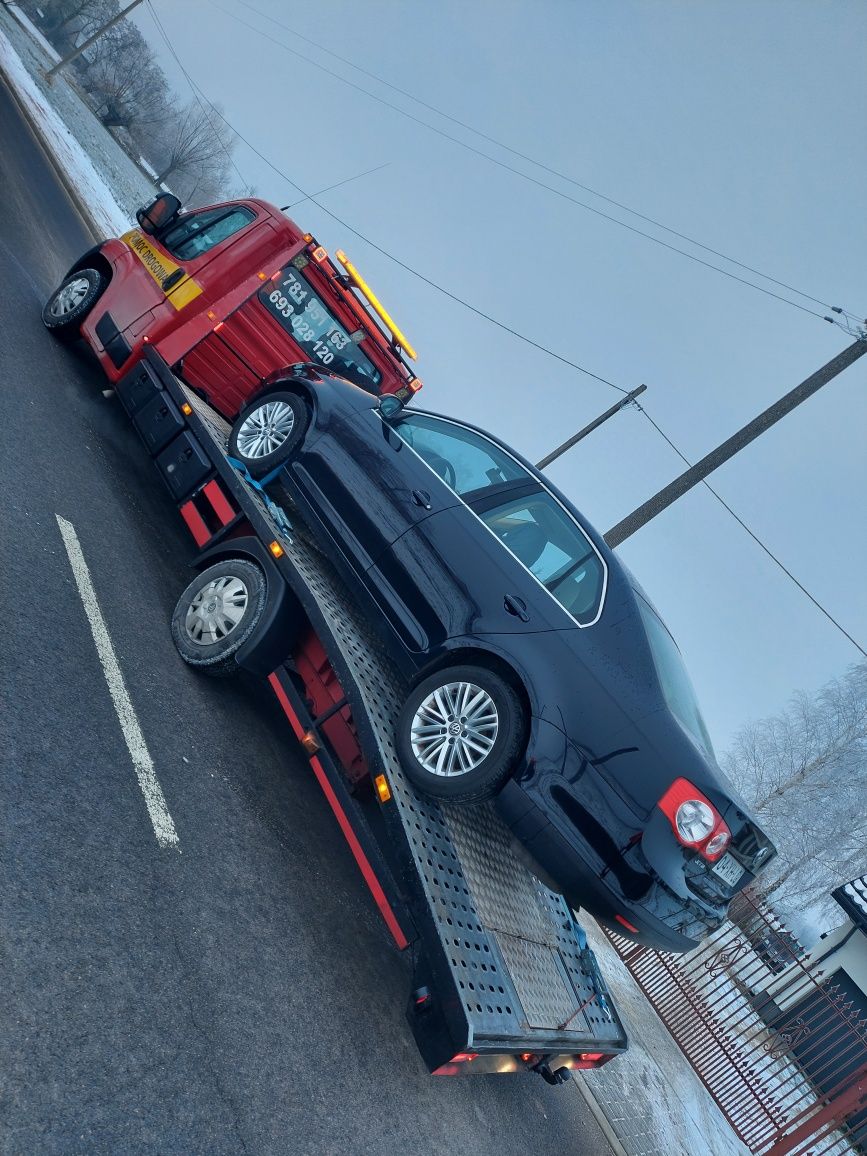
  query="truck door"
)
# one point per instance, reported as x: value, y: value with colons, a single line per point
x: 191, y: 263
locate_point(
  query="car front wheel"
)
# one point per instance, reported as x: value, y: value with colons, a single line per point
x: 71, y: 302
x: 266, y: 433
x: 461, y: 733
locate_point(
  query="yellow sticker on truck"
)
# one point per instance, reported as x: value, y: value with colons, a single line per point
x: 184, y: 290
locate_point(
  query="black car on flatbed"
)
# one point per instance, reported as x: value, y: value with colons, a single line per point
x: 503, y: 977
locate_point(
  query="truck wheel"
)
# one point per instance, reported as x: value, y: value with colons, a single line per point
x: 217, y: 613
x: 71, y: 302
x: 460, y: 734
x: 266, y: 433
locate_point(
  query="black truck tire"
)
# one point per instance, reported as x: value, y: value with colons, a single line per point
x: 460, y: 734
x: 268, y: 431
x: 71, y: 301
x: 217, y: 614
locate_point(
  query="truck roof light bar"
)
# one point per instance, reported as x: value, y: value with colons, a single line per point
x: 375, y: 304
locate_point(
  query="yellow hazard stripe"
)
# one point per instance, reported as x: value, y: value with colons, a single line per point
x: 160, y: 267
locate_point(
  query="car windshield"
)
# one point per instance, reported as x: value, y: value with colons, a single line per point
x: 302, y: 312
x: 673, y: 677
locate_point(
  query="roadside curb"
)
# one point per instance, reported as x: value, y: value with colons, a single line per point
x: 600, y: 1117
x: 33, y: 124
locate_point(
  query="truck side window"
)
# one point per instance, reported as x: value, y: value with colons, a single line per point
x: 196, y: 233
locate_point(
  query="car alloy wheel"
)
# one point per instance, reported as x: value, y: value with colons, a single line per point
x: 454, y: 728
x: 216, y: 610
x: 69, y: 297
x: 265, y: 429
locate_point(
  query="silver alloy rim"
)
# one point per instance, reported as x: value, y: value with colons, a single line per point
x: 216, y: 610
x: 454, y: 729
x: 265, y: 429
x: 69, y: 297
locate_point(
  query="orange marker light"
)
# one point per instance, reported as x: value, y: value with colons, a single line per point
x: 276, y: 549
x: 415, y: 385
x: 310, y: 743
x: 308, y: 237
x: 262, y: 276
x: 186, y: 408
x: 212, y: 315
x: 383, y: 790
x: 319, y: 254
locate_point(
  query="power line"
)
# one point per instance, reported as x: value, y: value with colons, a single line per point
x: 540, y: 164
x: 244, y: 182
x: 755, y: 537
x: 542, y: 348
x: 525, y: 176
x: 402, y: 264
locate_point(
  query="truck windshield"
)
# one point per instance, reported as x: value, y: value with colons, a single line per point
x: 292, y: 300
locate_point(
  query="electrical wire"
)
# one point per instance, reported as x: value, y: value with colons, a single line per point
x: 762, y: 545
x: 542, y: 165
x: 542, y: 348
x: 525, y: 176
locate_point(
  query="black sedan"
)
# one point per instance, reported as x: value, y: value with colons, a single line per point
x: 540, y: 673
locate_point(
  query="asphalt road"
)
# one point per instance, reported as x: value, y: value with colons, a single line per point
x: 238, y: 993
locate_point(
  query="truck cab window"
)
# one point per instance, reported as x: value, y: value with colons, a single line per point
x: 196, y: 233
x: 466, y: 461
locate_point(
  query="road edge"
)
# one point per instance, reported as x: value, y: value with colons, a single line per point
x: 600, y: 1117
x: 33, y: 124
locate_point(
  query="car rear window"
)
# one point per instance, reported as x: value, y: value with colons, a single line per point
x: 292, y: 300
x: 554, y: 548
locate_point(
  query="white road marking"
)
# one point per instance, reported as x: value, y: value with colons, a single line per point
x: 164, y: 828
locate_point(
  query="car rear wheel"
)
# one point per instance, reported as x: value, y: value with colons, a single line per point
x: 267, y: 433
x: 217, y: 613
x: 461, y: 733
x: 71, y: 302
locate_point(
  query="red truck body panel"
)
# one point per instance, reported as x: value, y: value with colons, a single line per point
x: 205, y: 316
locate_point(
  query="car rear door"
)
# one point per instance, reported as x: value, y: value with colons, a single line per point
x: 469, y: 569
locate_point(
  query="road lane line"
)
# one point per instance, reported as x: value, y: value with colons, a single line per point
x: 164, y: 828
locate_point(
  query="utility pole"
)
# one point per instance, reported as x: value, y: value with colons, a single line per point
x: 52, y: 72
x: 697, y: 473
x: 567, y: 445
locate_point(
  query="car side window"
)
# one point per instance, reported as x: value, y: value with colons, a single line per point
x: 196, y: 233
x: 553, y: 547
x: 466, y: 461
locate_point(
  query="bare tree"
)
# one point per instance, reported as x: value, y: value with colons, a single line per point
x: 124, y: 81
x: 195, y: 142
x: 805, y: 773
x: 65, y: 21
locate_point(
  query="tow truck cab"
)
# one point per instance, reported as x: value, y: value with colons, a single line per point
x: 231, y: 293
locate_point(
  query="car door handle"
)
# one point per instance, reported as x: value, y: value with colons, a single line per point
x: 421, y: 498
x: 516, y: 606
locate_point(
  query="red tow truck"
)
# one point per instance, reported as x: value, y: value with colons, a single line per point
x: 228, y: 295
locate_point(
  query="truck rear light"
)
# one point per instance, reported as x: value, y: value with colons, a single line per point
x: 319, y: 255
x: 464, y: 1057
x: 696, y: 822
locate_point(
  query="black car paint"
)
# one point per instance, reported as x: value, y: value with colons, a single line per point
x: 603, y: 746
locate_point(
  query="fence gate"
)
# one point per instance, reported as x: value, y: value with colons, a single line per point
x: 779, y: 1044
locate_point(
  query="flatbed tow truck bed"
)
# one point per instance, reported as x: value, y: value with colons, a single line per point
x: 503, y: 977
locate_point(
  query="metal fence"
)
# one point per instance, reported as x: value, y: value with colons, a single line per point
x: 779, y: 1042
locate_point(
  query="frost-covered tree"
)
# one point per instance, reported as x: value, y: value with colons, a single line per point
x: 805, y: 773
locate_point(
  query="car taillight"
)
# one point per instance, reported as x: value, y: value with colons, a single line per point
x: 695, y: 820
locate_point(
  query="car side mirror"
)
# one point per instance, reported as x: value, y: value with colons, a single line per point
x: 390, y: 407
x: 159, y: 213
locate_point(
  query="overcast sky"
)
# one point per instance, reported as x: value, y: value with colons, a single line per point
x: 739, y: 124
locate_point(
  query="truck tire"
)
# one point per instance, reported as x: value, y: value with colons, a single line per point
x: 217, y: 613
x: 268, y: 431
x: 460, y: 734
x: 71, y: 301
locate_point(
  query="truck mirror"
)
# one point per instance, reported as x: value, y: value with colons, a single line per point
x: 159, y: 213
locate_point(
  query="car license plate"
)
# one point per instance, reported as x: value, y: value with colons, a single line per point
x: 728, y: 870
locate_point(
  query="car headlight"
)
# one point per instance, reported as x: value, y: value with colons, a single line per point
x: 694, y: 820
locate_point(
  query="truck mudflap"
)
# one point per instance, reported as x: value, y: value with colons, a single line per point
x: 503, y: 978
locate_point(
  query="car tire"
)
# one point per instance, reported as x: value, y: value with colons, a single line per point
x: 267, y: 432
x: 71, y: 301
x: 217, y: 614
x: 495, y: 721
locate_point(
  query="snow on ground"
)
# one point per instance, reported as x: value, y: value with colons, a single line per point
x: 27, y: 23
x: 653, y: 1100
x: 66, y: 150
